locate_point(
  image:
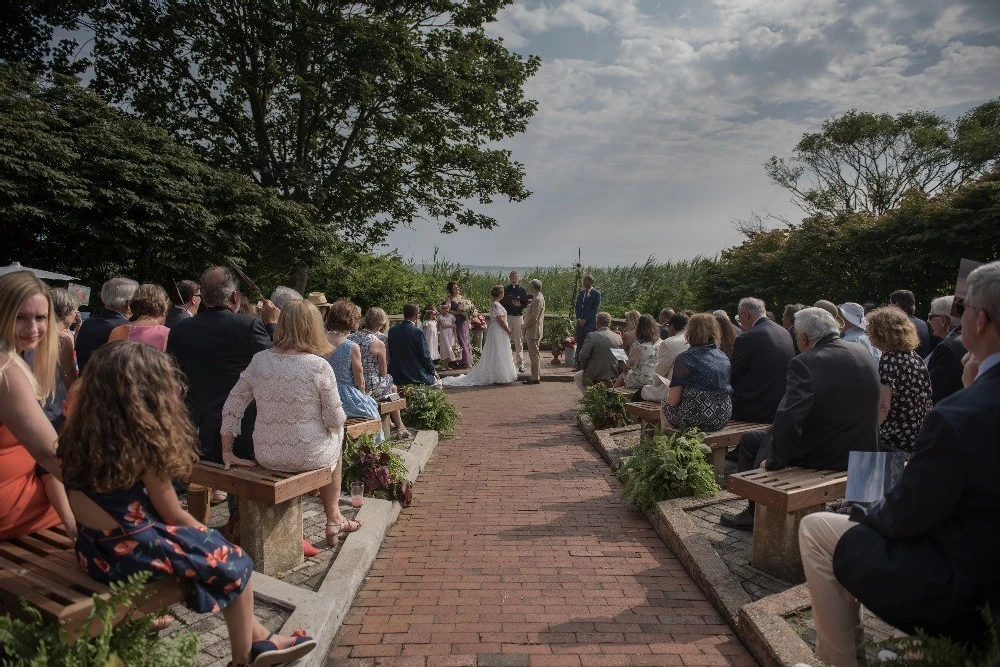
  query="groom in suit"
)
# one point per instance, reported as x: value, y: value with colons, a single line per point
x: 588, y: 303
x: 533, y: 326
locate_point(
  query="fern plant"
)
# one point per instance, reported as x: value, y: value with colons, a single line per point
x: 429, y: 408
x: 606, y: 409
x: 668, y: 466
x: 39, y: 641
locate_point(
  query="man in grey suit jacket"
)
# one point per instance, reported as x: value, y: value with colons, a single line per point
x: 596, y: 359
x: 533, y: 327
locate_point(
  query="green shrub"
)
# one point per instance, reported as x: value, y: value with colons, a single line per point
x: 378, y: 466
x: 606, y: 409
x: 668, y: 466
x: 556, y: 330
x: 923, y: 651
x: 429, y: 408
x: 40, y: 642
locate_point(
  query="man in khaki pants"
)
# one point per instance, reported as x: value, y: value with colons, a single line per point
x: 532, y: 326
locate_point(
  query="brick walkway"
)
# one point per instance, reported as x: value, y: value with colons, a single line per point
x: 519, y: 551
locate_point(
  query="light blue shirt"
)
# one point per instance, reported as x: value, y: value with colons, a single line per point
x: 856, y: 335
x: 988, y: 363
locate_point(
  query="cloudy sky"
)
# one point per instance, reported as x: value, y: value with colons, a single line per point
x: 656, y: 116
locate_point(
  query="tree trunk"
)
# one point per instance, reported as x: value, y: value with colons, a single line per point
x: 300, y: 278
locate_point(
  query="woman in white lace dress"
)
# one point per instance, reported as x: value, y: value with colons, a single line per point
x: 496, y: 365
x: 300, y: 420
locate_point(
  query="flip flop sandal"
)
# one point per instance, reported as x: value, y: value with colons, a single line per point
x: 266, y: 654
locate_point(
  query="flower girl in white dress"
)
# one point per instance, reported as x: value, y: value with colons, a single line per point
x: 446, y: 337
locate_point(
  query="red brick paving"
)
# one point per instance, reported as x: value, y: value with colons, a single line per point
x: 518, y: 550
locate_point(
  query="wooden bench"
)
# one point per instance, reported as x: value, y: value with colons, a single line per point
x: 385, y: 409
x: 358, y: 426
x: 648, y: 414
x: 783, y: 497
x: 270, y: 509
x: 728, y: 436
x: 42, y: 568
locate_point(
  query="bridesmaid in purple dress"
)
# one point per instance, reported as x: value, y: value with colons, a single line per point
x: 461, y: 324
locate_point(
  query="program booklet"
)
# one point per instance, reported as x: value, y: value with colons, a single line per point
x: 871, y: 474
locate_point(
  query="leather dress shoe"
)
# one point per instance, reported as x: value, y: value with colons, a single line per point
x: 531, y: 381
x: 741, y: 521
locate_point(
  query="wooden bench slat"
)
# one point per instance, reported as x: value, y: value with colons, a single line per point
x: 267, y: 486
x: 52, y: 565
x: 789, y: 489
x: 357, y: 426
x: 386, y: 407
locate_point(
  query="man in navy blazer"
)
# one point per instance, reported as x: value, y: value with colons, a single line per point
x: 588, y: 304
x: 116, y: 295
x: 759, y: 364
x: 925, y: 556
x: 409, y: 359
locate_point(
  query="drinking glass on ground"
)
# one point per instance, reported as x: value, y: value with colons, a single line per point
x: 357, y: 494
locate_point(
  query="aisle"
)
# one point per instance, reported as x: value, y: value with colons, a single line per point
x: 519, y: 551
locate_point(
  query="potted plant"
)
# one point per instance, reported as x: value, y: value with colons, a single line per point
x: 556, y: 331
x: 568, y: 345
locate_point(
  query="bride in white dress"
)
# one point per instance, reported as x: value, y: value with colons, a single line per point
x: 496, y: 365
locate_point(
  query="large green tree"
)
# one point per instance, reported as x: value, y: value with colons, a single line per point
x: 89, y: 191
x: 375, y: 113
x: 868, y: 163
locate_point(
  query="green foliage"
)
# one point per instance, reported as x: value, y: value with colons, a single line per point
x: 867, y: 162
x: 370, y: 280
x: 860, y: 257
x: 923, y: 651
x: 378, y: 466
x: 376, y: 113
x: 606, y: 409
x: 87, y: 191
x: 668, y: 466
x: 429, y: 408
x: 38, y: 642
x: 556, y: 330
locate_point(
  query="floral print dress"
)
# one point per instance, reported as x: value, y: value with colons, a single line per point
x: 216, y: 571
x: 906, y: 374
x: 376, y: 385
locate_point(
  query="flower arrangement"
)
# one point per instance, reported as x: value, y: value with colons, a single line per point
x: 467, y: 308
x: 477, y: 322
x: 568, y: 341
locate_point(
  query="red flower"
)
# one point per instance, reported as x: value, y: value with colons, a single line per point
x: 162, y: 565
x: 222, y: 553
x: 135, y: 512
x: 176, y: 547
x: 215, y: 609
x: 125, y: 547
x: 83, y: 560
x: 210, y: 559
x: 189, y: 573
x: 232, y: 585
x: 102, y: 565
x: 238, y: 550
x: 201, y: 528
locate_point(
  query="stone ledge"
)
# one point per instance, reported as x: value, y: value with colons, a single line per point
x: 698, y: 556
x: 764, y: 629
x: 419, y: 452
x: 604, y: 442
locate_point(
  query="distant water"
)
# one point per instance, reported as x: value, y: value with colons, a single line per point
x: 490, y: 270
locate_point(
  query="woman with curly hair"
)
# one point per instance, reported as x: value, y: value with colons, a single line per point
x: 643, y: 355
x: 128, y: 437
x: 149, y: 310
x: 700, y: 394
x: 906, y: 384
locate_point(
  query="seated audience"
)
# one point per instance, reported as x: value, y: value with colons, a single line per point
x: 831, y: 307
x: 725, y: 316
x: 853, y: 327
x: 342, y: 319
x: 596, y: 359
x: 116, y: 295
x: 945, y: 363
x: 664, y: 321
x: 282, y: 295
x: 906, y: 384
x: 300, y: 419
x: 187, y: 294
x: 31, y: 499
x: 760, y: 363
x: 700, y: 393
x: 829, y: 409
x: 409, y: 359
x: 667, y: 353
x: 924, y: 557
x: 66, y: 309
x: 149, y: 309
x: 375, y: 360
x: 642, y: 359
x: 869, y: 306
x: 788, y: 321
x: 128, y: 438
x: 907, y: 302
x: 628, y: 334
x: 727, y: 333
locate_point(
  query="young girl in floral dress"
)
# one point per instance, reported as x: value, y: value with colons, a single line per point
x: 129, y: 436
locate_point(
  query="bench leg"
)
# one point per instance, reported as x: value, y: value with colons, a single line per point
x: 387, y: 425
x: 776, y: 542
x: 272, y: 534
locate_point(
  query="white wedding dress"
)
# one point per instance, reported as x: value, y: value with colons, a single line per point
x: 496, y: 365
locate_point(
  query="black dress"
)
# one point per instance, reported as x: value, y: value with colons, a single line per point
x: 906, y: 374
